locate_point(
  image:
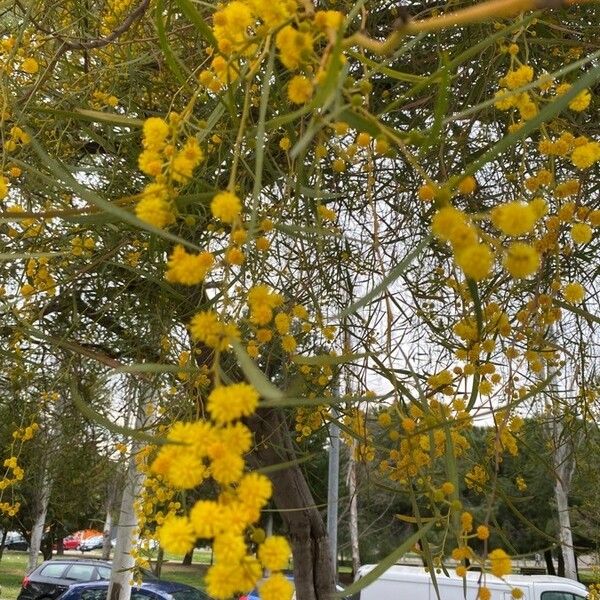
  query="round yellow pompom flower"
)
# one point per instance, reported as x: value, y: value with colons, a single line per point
x: 277, y: 587
x: 514, y: 218
x: 500, y: 563
x: 226, y: 207
x: 521, y: 260
x: 177, y: 535
x: 475, y: 260
x: 30, y: 65
x: 300, y: 89
x: 274, y: 553
x: 581, y: 233
x: 574, y: 292
x: 231, y: 402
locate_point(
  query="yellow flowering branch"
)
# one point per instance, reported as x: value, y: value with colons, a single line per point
x: 484, y: 11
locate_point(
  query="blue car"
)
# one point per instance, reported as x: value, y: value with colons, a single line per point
x: 155, y: 590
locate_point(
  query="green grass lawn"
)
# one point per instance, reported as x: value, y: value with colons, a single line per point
x: 13, y: 566
x: 12, y: 569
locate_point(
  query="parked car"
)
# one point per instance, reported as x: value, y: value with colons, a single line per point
x: 155, y: 590
x: 91, y: 543
x: 253, y: 595
x: 415, y: 583
x: 15, y: 541
x: 71, y: 542
x: 53, y: 577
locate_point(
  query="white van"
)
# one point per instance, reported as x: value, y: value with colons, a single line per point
x: 415, y: 583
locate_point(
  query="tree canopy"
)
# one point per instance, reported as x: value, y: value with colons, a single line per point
x: 244, y: 220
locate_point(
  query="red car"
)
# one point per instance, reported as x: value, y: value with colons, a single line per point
x: 73, y: 541
x: 70, y: 542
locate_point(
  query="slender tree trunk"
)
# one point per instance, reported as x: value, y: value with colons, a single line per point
x: 106, y: 541
x: 159, y: 562
x: 564, y: 467
x: 187, y: 559
x: 123, y: 561
x: 3, y: 541
x: 563, y: 462
x: 353, y: 523
x: 41, y: 508
x: 549, y: 562
x: 561, y: 563
x: 313, y: 568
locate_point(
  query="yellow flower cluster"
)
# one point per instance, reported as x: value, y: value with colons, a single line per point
x: 216, y: 448
x: 39, y: 277
x: 25, y: 433
x: 186, y: 268
x: 207, y: 328
x: 415, y: 451
x: 361, y: 439
x: 169, y: 166
x: 241, y: 26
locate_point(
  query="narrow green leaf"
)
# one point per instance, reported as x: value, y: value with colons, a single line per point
x: 329, y: 359
x: 6, y: 256
x: 174, y: 63
x: 394, y: 274
x: 87, y: 411
x: 389, y: 561
x: 67, y: 179
x: 255, y: 376
x: 286, y: 465
x: 189, y: 10
x: 153, y: 368
x: 439, y: 109
x: 577, y: 311
x: 93, y: 116
x: 98, y: 116
x: 548, y: 112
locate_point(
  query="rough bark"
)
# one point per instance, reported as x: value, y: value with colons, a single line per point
x: 313, y: 569
x: 563, y: 468
x: 353, y: 522
x: 41, y: 508
x: 106, y: 545
x: 3, y: 541
x: 549, y: 562
x: 123, y: 561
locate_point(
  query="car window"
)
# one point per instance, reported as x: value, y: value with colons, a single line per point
x: 189, y: 595
x: 557, y: 596
x: 104, y: 572
x: 53, y: 570
x: 142, y: 595
x: 81, y: 573
x: 97, y: 594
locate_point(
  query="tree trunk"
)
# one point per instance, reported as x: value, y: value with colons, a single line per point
x: 3, y: 541
x: 313, y: 569
x: 187, y: 559
x: 564, y: 467
x: 549, y: 562
x: 106, y: 541
x: 159, y: 562
x: 123, y: 561
x: 561, y: 563
x: 60, y: 547
x: 41, y: 508
x: 353, y: 523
